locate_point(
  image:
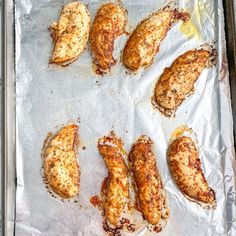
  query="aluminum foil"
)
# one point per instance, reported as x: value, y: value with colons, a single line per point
x: 48, y: 97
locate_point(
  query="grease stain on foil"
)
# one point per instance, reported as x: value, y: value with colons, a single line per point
x: 190, y: 30
x: 180, y: 131
x: 199, y: 15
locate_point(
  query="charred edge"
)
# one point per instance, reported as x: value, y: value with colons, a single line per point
x: 102, y: 71
x: 144, y: 139
x: 96, y: 201
x: 213, y: 58
x: 164, y: 111
x: 114, y: 231
x: 179, y: 15
x: 171, y: 4
x: 117, y: 230
x: 204, y: 205
x: 110, y: 138
x: 65, y: 63
x: 210, y: 47
x: 157, y: 229
x: 52, y: 32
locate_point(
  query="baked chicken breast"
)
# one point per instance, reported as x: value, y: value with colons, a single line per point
x: 145, y: 41
x: 61, y: 169
x: 185, y: 167
x: 177, y: 82
x: 116, y: 188
x: 109, y: 23
x: 151, y: 196
x: 70, y: 34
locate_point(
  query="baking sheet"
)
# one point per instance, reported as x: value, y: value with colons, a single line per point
x: 47, y: 97
x: 8, y: 120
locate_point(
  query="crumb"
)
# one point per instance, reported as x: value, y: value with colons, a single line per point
x: 96, y: 201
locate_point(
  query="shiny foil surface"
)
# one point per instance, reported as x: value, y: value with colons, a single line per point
x: 49, y: 96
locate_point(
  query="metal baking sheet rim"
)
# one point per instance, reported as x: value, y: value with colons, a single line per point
x: 8, y: 185
x: 9, y: 122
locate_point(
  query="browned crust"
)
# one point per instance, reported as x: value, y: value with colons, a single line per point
x: 115, y: 189
x: 185, y: 167
x: 61, y: 37
x: 150, y: 192
x: 177, y: 81
x: 131, y: 55
x: 109, y: 23
x: 56, y: 150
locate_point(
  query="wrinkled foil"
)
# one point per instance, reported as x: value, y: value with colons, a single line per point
x: 48, y: 97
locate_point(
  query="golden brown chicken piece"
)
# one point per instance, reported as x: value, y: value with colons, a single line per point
x: 185, y: 167
x: 70, y: 34
x: 177, y: 81
x: 60, y: 165
x: 145, y: 41
x: 151, y: 196
x: 116, y: 188
x: 109, y: 23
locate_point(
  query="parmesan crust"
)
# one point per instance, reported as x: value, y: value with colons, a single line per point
x: 61, y: 169
x: 151, y: 196
x: 145, y: 41
x: 70, y: 34
x: 185, y: 167
x: 109, y: 23
x: 177, y: 82
x: 116, y: 187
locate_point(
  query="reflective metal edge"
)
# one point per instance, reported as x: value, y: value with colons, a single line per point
x: 8, y: 119
x: 230, y: 32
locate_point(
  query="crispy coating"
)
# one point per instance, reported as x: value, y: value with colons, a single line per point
x: 145, y: 41
x: 60, y: 165
x: 116, y: 188
x: 109, y: 23
x: 151, y: 195
x: 177, y: 81
x: 70, y: 34
x: 185, y: 167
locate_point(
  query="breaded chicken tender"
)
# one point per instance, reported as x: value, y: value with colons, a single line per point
x: 70, y: 34
x: 61, y: 168
x: 177, y: 82
x: 109, y: 23
x: 185, y: 167
x: 151, y: 196
x: 144, y: 43
x: 116, y: 189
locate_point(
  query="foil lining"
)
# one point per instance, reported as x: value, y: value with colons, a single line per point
x: 48, y: 97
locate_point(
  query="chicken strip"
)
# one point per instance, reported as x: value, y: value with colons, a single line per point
x: 145, y: 41
x: 116, y: 188
x: 185, y: 167
x: 151, y: 196
x: 109, y: 23
x: 177, y: 82
x: 60, y: 165
x: 70, y: 34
